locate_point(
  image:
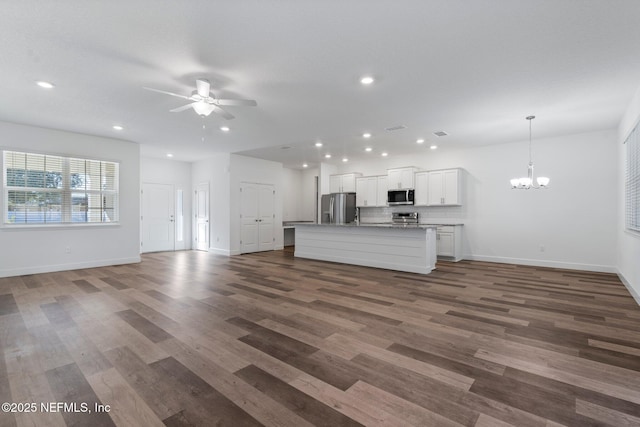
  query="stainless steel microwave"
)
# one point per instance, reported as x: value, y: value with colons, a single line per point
x: 400, y: 197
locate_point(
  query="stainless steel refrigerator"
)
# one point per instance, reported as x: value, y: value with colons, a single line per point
x: 338, y: 208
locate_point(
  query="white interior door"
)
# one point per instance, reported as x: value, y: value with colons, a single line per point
x: 257, y: 215
x: 202, y: 217
x: 158, y: 226
x: 249, y: 217
x: 266, y: 217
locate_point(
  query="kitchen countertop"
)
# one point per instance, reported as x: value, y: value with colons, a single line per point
x: 373, y: 225
x: 291, y: 224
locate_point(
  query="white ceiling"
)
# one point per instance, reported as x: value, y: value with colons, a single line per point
x: 473, y: 68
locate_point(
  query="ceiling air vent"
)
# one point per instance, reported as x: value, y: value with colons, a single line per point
x: 440, y: 133
x: 392, y: 128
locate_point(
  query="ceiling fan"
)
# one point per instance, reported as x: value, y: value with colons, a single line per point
x: 204, y: 102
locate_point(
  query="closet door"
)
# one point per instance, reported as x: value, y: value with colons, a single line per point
x: 266, y: 216
x: 257, y: 214
x: 249, y: 200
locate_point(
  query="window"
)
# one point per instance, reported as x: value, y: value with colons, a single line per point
x: 43, y: 189
x: 632, y: 181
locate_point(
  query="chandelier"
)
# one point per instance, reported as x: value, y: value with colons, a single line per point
x: 528, y: 182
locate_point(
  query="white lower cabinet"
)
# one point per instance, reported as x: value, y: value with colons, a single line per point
x: 449, y: 242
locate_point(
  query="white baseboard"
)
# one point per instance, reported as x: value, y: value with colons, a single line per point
x: 634, y: 293
x: 63, y: 267
x: 218, y: 251
x: 544, y: 263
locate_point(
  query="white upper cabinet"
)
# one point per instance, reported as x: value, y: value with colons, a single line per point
x: 335, y: 184
x: 371, y: 191
x: 443, y: 187
x: 382, y: 190
x: 421, y: 195
x: 400, y: 178
x: 343, y: 183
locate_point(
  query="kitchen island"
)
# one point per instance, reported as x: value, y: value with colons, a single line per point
x: 410, y: 248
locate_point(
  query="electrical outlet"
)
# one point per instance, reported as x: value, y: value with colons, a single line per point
x: 67, y: 249
x: 542, y: 248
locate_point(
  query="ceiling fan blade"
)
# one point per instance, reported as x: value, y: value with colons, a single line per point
x: 247, y: 102
x: 167, y: 93
x: 184, y: 107
x: 203, y: 86
x: 223, y: 113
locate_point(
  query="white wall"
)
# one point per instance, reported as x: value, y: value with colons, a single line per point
x: 215, y: 172
x: 574, y: 220
x: 326, y: 170
x: 249, y: 169
x: 291, y: 194
x: 38, y: 250
x: 308, y: 200
x: 628, y: 242
x: 178, y: 174
x: 298, y: 194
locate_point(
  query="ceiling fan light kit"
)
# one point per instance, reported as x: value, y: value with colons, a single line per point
x: 204, y: 102
x: 528, y: 182
x: 202, y: 108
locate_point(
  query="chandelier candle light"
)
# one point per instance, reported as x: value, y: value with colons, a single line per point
x: 528, y: 181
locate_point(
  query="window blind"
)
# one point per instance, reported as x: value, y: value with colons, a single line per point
x: 45, y: 189
x: 632, y: 181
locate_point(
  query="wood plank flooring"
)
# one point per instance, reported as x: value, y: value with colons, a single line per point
x: 190, y: 338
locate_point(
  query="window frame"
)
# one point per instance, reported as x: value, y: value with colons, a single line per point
x: 66, y: 191
x: 632, y: 181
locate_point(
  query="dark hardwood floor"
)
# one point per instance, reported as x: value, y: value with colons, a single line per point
x: 189, y: 338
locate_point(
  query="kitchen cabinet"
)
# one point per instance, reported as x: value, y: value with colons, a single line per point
x: 449, y: 242
x: 382, y: 190
x: 409, y: 249
x: 443, y: 187
x: 421, y: 194
x: 400, y: 178
x: 371, y: 191
x: 343, y: 183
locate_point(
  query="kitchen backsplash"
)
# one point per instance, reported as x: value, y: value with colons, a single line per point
x: 426, y: 214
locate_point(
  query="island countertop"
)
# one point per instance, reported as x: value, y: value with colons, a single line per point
x: 372, y: 225
x: 410, y: 248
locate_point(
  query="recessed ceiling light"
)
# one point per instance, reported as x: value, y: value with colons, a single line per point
x: 318, y: 144
x: 366, y: 135
x: 304, y: 165
x: 420, y: 141
x: 433, y: 147
x: 327, y: 156
x: 169, y: 155
x: 368, y: 149
x: 344, y: 159
x: 367, y: 80
x: 117, y: 127
x: 224, y: 128
x: 45, y: 85
x: 385, y: 154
